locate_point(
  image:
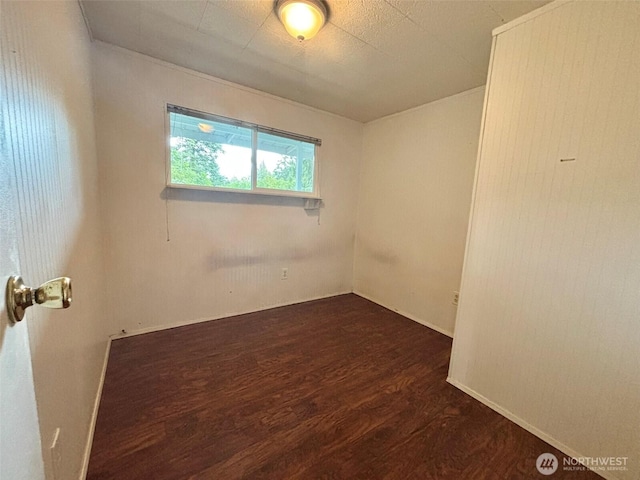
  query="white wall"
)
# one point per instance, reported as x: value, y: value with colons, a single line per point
x: 225, y: 251
x: 50, y: 133
x: 548, y: 325
x: 416, y: 183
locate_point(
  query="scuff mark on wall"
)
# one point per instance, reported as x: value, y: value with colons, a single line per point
x: 232, y: 258
x: 381, y: 254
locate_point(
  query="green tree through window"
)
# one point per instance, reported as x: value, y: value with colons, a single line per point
x: 194, y: 162
x: 284, y: 175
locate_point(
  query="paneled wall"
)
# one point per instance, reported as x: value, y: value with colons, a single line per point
x: 48, y: 138
x: 176, y: 256
x: 416, y: 182
x: 548, y: 328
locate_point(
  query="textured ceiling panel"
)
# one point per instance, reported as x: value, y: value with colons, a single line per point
x: 443, y: 18
x: 365, y: 19
x: 187, y: 12
x: 256, y: 11
x: 373, y: 58
x: 221, y: 22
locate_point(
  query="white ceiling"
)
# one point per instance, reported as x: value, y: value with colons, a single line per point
x: 373, y: 58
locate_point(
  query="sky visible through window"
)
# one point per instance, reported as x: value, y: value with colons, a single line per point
x: 230, y: 168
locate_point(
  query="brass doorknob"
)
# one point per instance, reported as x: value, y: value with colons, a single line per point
x: 55, y: 293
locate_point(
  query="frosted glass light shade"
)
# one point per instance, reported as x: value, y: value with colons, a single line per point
x: 301, y: 18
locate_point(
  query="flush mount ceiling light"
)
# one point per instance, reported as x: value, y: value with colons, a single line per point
x: 302, y: 18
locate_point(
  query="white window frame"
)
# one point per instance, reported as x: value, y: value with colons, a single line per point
x: 255, y: 128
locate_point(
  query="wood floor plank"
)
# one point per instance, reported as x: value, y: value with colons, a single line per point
x: 339, y: 388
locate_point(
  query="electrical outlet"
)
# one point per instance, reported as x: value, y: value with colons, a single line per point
x: 456, y: 298
x: 284, y: 275
x: 56, y: 455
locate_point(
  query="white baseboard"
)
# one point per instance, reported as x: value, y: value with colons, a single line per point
x: 94, y: 414
x: 159, y: 328
x: 408, y: 315
x: 527, y: 426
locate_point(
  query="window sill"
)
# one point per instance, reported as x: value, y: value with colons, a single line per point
x: 259, y: 191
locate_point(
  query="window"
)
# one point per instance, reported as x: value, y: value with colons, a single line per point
x: 218, y: 153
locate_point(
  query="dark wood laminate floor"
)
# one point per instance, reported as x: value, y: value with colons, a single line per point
x: 335, y: 389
